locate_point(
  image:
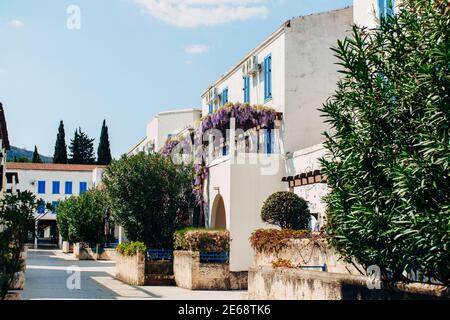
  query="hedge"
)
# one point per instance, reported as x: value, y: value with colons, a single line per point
x: 203, y: 240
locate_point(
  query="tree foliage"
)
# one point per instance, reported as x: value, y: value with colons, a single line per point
x: 16, y: 214
x: 286, y: 210
x: 60, y: 155
x: 151, y: 197
x: 36, y: 157
x: 82, y: 218
x: 388, y: 151
x: 104, y: 148
x: 81, y: 149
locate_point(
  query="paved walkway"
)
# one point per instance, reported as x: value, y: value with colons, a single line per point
x: 47, y: 277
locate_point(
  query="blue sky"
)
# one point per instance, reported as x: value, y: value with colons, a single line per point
x: 129, y: 60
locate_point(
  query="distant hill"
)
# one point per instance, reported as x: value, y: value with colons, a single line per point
x: 24, y: 153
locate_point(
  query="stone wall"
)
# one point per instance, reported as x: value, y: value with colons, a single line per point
x: 159, y: 267
x: 266, y: 283
x: 193, y: 275
x: 308, y: 252
x: 131, y: 269
x: 67, y: 247
x: 81, y: 253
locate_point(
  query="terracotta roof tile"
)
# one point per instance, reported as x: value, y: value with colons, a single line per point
x: 51, y: 166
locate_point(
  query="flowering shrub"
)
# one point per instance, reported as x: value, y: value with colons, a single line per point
x: 131, y: 248
x: 202, y: 240
x: 271, y: 240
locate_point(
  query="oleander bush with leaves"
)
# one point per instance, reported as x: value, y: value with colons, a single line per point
x: 388, y: 151
x: 130, y: 249
x: 286, y: 210
x: 150, y: 196
x: 82, y: 218
x: 203, y: 240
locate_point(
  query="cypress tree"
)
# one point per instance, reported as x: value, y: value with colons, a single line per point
x: 60, y: 155
x: 104, y: 149
x: 75, y: 155
x: 82, y: 149
x: 36, y: 158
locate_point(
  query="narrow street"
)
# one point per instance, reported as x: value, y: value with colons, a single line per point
x: 47, y: 278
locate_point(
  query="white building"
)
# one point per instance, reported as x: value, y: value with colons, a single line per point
x: 51, y: 183
x: 294, y: 72
x: 4, y: 146
x: 164, y: 125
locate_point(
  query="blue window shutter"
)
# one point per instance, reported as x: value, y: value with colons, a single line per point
x: 390, y: 7
x: 386, y: 8
x: 265, y: 78
x: 68, y: 187
x: 268, y: 77
x: 225, y: 96
x: 83, y: 187
x: 269, y: 139
x: 211, y: 108
x: 41, y: 209
x: 247, y: 89
x: 381, y: 7
x: 55, y: 187
x: 55, y: 206
x: 41, y: 187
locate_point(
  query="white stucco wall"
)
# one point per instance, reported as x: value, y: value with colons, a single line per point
x: 243, y: 204
x: 173, y: 122
x: 170, y: 122
x: 311, y: 74
x: 246, y: 206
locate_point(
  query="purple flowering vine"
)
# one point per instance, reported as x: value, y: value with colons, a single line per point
x: 247, y: 117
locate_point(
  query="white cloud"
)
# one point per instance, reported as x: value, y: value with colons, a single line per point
x: 16, y: 24
x: 195, y: 13
x: 196, y: 49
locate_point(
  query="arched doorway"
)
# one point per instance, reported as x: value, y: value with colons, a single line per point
x: 219, y: 218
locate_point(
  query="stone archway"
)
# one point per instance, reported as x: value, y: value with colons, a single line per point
x: 219, y: 217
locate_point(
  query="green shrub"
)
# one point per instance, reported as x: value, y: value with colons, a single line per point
x: 131, y: 248
x: 203, y: 240
x: 286, y: 210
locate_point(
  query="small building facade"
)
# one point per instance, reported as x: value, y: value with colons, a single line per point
x: 51, y: 183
